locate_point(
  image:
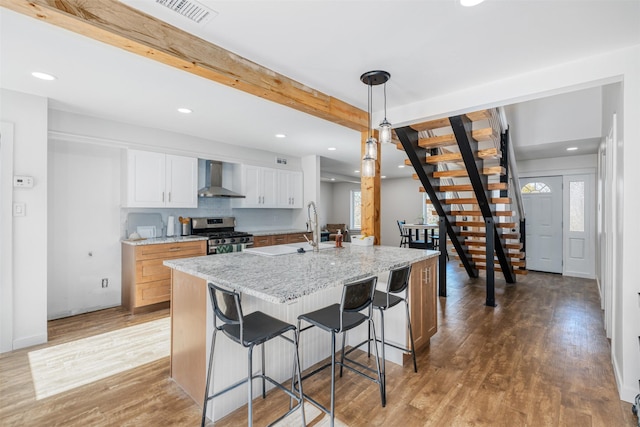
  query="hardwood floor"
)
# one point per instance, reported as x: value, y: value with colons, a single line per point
x: 538, y: 359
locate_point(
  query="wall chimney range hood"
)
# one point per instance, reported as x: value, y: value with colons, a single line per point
x: 214, y: 178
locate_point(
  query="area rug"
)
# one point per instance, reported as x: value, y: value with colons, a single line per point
x: 67, y: 366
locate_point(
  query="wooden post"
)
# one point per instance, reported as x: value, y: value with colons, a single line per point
x: 370, y: 193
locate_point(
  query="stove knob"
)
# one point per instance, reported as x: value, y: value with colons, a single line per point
x: 216, y: 241
x: 232, y: 240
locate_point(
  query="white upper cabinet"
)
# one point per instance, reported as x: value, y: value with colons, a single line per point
x: 267, y: 187
x: 156, y: 180
x: 289, y: 189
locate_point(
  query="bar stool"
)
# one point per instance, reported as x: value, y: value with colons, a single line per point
x: 398, y: 283
x: 340, y: 318
x: 250, y: 330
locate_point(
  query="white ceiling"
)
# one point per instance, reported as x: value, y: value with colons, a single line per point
x: 429, y: 47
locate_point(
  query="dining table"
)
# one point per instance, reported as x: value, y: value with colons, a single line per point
x: 422, y: 227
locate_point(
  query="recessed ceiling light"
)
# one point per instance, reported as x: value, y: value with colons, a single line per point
x: 185, y: 110
x: 470, y: 3
x: 332, y: 148
x: 43, y: 76
x: 333, y: 179
x: 280, y: 135
x: 356, y: 171
x: 383, y: 176
x: 401, y: 166
x: 572, y: 148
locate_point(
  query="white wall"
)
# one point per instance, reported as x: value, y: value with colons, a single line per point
x: 29, y: 117
x: 618, y: 66
x: 84, y: 228
x: 6, y: 236
x: 341, y: 202
x: 325, y: 209
x: 401, y: 200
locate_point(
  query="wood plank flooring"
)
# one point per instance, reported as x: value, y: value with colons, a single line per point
x: 538, y: 359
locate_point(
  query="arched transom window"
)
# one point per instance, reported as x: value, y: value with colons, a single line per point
x: 535, y: 187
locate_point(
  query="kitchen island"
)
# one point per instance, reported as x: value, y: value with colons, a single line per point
x: 284, y: 286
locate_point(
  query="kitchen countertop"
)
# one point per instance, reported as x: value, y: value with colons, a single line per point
x: 273, y: 232
x: 160, y: 240
x: 285, y: 278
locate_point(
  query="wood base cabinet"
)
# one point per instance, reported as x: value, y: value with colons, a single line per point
x: 423, y: 302
x: 145, y: 281
x: 280, y: 239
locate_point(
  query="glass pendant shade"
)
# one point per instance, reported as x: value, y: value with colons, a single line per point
x: 385, y: 132
x: 368, y: 167
x: 371, y: 149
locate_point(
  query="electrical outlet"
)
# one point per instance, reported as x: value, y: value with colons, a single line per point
x: 105, y: 283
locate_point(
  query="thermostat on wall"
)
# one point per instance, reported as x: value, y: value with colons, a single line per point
x: 23, y: 181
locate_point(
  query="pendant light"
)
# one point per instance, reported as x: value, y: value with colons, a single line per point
x: 385, y: 126
x: 372, y: 78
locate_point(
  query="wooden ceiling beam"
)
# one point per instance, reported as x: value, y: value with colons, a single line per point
x: 114, y: 23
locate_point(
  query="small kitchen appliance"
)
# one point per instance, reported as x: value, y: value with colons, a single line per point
x: 222, y: 235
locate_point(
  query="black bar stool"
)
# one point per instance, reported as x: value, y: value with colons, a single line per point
x: 398, y: 283
x: 340, y: 318
x: 251, y: 330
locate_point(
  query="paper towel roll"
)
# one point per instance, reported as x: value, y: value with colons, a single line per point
x: 171, y: 226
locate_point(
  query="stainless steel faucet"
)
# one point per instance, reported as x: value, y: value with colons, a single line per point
x: 315, y: 227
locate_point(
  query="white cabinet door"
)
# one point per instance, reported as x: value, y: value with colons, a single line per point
x: 181, y: 182
x: 146, y: 179
x: 157, y: 180
x: 269, y: 188
x: 289, y: 189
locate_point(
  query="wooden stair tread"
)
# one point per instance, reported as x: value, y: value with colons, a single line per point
x: 519, y: 255
x: 467, y: 233
x: 482, y: 243
x: 481, y: 258
x: 484, y: 134
x: 481, y: 224
x: 478, y: 213
x: 468, y: 187
x: 474, y: 201
x: 431, y: 124
x: 498, y: 269
x: 458, y: 173
x: 489, y: 153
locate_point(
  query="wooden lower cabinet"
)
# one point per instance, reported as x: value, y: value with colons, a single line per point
x: 299, y: 237
x: 423, y: 301
x: 280, y: 239
x: 145, y: 280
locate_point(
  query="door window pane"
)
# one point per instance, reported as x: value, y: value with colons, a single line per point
x: 356, y: 209
x: 535, y: 187
x: 576, y: 206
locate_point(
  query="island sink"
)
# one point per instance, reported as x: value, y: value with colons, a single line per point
x: 290, y: 248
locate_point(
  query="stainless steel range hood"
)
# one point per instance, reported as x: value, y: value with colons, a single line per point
x: 214, y: 178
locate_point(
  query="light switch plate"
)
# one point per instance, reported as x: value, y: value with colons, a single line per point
x: 19, y: 209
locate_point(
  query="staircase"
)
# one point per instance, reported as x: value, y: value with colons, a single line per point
x: 463, y: 165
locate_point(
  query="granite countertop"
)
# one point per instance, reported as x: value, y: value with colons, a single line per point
x: 159, y: 240
x: 273, y: 232
x: 284, y: 278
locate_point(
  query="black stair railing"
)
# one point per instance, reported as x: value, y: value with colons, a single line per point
x: 461, y: 126
x: 409, y: 139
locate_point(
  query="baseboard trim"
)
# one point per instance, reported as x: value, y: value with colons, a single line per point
x: 29, y: 341
x: 628, y: 394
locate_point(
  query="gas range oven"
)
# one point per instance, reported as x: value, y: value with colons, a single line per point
x: 221, y: 234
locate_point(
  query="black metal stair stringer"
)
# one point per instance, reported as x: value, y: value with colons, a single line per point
x: 409, y: 139
x: 461, y: 126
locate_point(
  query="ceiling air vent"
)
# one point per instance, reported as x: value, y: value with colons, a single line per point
x: 189, y: 9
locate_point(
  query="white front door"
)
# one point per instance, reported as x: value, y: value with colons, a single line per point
x: 542, y: 199
x: 578, y: 216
